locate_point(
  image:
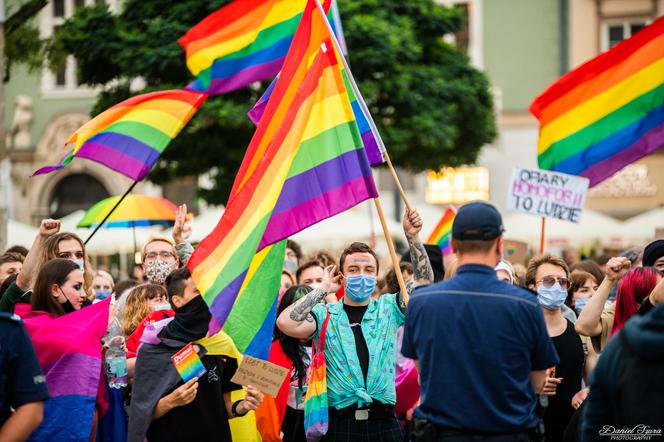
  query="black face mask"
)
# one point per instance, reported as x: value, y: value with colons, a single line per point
x: 66, y: 306
x: 190, y: 322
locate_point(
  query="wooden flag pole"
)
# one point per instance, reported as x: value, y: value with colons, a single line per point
x: 110, y: 212
x: 363, y: 106
x: 393, y: 253
x: 542, y: 236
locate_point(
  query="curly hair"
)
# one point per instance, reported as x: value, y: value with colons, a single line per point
x: 137, y: 307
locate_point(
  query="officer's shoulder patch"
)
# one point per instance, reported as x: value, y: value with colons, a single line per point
x: 10, y: 317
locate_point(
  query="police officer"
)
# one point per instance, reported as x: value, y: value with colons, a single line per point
x: 481, y: 344
x: 22, y: 383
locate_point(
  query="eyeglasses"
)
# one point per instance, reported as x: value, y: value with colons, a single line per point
x: 163, y: 255
x: 71, y: 255
x: 549, y: 281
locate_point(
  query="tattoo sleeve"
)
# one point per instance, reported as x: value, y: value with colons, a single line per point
x: 302, y: 308
x: 422, y: 270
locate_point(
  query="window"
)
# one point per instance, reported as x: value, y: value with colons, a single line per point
x: 616, y: 31
x: 64, y: 81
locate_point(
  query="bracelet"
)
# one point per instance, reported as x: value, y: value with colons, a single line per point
x: 234, y: 409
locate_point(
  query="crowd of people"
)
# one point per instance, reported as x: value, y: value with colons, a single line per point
x: 477, y: 349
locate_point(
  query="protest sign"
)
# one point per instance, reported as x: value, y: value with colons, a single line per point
x: 264, y: 375
x: 547, y: 194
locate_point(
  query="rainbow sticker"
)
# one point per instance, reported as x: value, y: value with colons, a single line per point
x: 188, y: 364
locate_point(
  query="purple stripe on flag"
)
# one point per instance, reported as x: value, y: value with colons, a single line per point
x: 118, y: 161
x: 47, y: 169
x: 371, y: 147
x: 323, y: 206
x: 73, y: 374
x: 224, y: 300
x: 321, y: 179
x: 247, y: 76
x: 256, y: 112
x: 650, y: 142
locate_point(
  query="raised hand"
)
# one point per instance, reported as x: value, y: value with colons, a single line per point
x: 331, y: 279
x: 49, y: 227
x: 412, y: 222
x: 617, y: 267
x: 182, y: 227
x: 252, y: 399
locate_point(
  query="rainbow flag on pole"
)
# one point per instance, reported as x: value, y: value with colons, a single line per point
x: 305, y: 163
x: 130, y: 136
x: 607, y: 113
x: 443, y: 232
x: 243, y: 42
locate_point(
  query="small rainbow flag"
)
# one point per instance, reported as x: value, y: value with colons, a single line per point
x: 607, y: 113
x: 305, y: 163
x: 243, y: 42
x: 130, y: 136
x: 188, y: 363
x: 443, y: 232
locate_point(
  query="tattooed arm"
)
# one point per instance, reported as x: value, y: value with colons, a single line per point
x: 412, y: 225
x: 297, y: 320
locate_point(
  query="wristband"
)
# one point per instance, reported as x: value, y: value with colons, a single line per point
x: 234, y: 409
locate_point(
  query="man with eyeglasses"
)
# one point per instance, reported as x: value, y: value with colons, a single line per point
x: 159, y: 259
x: 480, y: 344
x: 548, y: 275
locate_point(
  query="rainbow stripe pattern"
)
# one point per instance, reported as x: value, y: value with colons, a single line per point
x: 607, y: 113
x: 130, y: 136
x: 243, y: 42
x: 133, y: 211
x: 443, y: 232
x: 187, y: 363
x: 305, y: 163
x: 69, y: 351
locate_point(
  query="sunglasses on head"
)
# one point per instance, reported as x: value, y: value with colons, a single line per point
x: 550, y: 281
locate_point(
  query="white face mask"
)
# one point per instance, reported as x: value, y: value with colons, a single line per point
x: 81, y: 265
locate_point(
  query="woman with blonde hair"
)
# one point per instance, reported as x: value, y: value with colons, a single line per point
x: 141, y: 301
x: 69, y: 246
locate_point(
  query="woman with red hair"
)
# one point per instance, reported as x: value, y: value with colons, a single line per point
x: 633, y: 289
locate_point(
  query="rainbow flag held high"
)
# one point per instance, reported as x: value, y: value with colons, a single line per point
x: 241, y: 43
x: 607, y: 113
x: 443, y: 232
x: 130, y: 136
x: 305, y: 163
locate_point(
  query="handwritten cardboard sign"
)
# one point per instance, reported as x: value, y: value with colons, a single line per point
x: 264, y: 375
x: 549, y: 194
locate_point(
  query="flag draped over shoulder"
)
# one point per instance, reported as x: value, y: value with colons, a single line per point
x: 305, y: 163
x: 607, y: 113
x: 243, y: 42
x: 130, y: 136
x: 69, y: 351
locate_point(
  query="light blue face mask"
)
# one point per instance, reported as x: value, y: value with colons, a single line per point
x: 360, y: 287
x: 102, y: 294
x: 580, y: 304
x: 553, y: 297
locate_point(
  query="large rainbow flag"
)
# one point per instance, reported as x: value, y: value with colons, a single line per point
x: 69, y: 351
x: 443, y: 231
x: 130, y: 136
x: 243, y: 42
x: 305, y: 163
x: 607, y: 113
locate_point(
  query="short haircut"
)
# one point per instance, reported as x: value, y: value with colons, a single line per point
x: 18, y: 249
x: 391, y: 281
x: 307, y: 265
x: 537, y: 261
x: 474, y: 245
x: 356, y: 247
x: 176, y: 281
x: 155, y: 238
x: 295, y: 247
x: 122, y: 286
x: 105, y: 275
x: 10, y: 257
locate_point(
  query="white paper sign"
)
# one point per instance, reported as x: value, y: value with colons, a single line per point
x: 548, y: 194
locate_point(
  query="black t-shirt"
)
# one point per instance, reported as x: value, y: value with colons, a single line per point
x: 559, y: 412
x: 355, y: 315
x: 21, y: 377
x: 205, y: 418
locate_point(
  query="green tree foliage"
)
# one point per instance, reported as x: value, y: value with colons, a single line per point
x: 23, y: 44
x: 432, y: 107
